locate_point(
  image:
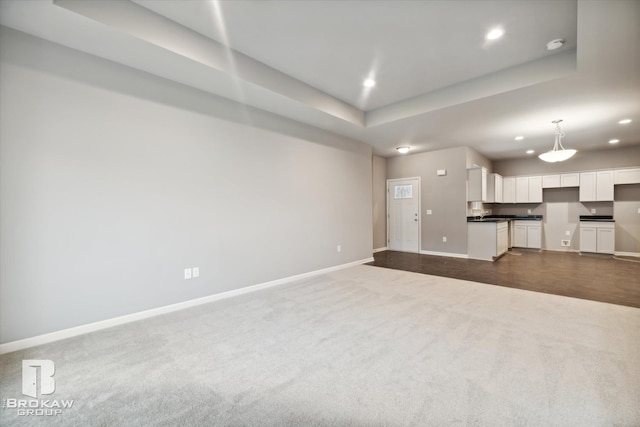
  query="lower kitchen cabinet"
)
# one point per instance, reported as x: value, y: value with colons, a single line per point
x: 487, y: 240
x: 597, y: 237
x: 527, y: 234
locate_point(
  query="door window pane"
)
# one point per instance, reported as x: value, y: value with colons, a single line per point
x: 404, y: 191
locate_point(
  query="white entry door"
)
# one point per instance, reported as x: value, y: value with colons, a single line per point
x: 403, y: 214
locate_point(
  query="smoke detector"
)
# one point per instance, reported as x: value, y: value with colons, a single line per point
x: 555, y: 44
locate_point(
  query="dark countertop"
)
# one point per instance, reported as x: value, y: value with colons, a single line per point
x: 596, y: 218
x: 500, y: 218
x: 495, y: 220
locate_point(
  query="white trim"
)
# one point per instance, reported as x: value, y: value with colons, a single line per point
x: 108, y: 323
x: 559, y: 250
x: 637, y: 254
x: 448, y: 254
x: 379, y: 250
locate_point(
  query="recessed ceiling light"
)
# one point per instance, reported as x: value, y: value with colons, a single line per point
x: 403, y: 150
x: 496, y: 33
x: 530, y: 151
x: 519, y: 138
x: 625, y: 121
x: 555, y: 44
x: 369, y: 83
x: 614, y: 141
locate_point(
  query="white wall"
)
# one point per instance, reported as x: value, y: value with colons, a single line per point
x: 113, y: 181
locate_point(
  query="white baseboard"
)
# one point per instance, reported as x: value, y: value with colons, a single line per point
x: 379, y: 250
x: 636, y: 254
x: 562, y: 250
x: 447, y: 254
x: 103, y: 324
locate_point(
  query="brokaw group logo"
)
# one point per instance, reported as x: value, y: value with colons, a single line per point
x: 30, y: 377
x: 37, y: 380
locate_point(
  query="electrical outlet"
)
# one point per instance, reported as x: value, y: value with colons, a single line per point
x: 529, y: 211
x: 339, y: 248
x: 187, y: 273
x: 593, y: 211
x: 444, y: 239
x: 429, y: 212
x: 639, y: 210
x: 565, y: 242
x: 567, y: 233
x: 196, y: 271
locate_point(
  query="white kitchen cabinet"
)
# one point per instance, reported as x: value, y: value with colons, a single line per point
x: 487, y: 240
x: 509, y: 189
x: 535, y: 189
x: 494, y: 188
x: 604, y: 185
x: 588, y: 239
x: 519, y: 235
x: 561, y: 180
x: 527, y: 234
x: 606, y: 240
x: 477, y: 185
x: 534, y: 236
x: 551, y: 181
x: 626, y: 176
x: 597, y: 237
x: 596, y: 186
x: 570, y: 180
x: 502, y: 234
x: 588, y: 187
x: 529, y: 189
x: 522, y: 189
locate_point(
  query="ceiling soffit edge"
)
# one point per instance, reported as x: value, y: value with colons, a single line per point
x: 524, y: 75
x: 162, y: 32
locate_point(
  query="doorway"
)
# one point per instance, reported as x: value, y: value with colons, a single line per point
x: 403, y: 214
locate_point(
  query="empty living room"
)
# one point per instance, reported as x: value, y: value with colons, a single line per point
x: 264, y: 213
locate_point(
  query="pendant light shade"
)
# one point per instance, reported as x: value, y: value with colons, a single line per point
x: 558, y: 153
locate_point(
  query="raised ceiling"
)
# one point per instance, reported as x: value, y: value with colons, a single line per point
x: 439, y: 82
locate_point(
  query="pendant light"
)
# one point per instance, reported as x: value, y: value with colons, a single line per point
x: 558, y: 153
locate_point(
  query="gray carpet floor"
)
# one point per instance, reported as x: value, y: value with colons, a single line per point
x: 364, y: 346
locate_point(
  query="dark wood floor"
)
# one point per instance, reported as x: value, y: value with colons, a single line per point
x: 593, y: 277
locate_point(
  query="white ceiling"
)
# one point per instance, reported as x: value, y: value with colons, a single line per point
x: 439, y: 82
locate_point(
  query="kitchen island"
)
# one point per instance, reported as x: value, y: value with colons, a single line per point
x: 487, y: 239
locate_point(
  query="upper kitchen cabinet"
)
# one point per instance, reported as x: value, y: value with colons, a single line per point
x: 477, y: 185
x: 494, y: 188
x: 509, y: 189
x: 561, y: 180
x: 626, y: 176
x: 529, y: 189
x: 596, y: 186
x: 522, y: 189
x: 570, y: 180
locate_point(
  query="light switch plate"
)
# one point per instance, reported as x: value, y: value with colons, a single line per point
x: 187, y: 273
x: 429, y: 211
x: 196, y: 271
x: 441, y: 172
